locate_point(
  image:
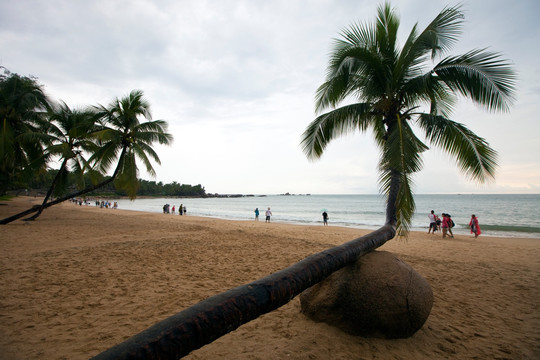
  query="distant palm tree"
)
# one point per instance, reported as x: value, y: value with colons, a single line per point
x: 391, y: 85
x: 69, y: 135
x: 121, y: 138
x: 122, y: 133
x: 23, y: 104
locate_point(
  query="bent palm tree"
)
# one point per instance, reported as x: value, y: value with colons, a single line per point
x: 391, y: 85
x: 69, y: 133
x: 123, y: 138
x: 122, y: 133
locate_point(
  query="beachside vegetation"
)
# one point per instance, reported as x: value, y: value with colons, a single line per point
x: 23, y: 105
x: 67, y: 136
x: 40, y: 185
x: 86, y: 143
x: 395, y: 92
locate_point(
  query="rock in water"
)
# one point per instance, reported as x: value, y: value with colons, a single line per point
x: 378, y: 296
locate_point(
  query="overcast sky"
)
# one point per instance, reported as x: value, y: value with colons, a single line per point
x: 236, y: 80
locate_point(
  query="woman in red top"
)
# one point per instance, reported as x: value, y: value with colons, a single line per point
x: 446, y: 224
x: 475, y: 228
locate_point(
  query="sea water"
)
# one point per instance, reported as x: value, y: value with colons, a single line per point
x: 499, y: 215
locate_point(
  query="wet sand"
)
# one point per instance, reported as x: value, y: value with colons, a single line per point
x: 82, y: 279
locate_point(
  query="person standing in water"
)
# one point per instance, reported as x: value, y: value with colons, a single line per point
x: 256, y: 214
x: 325, y: 218
x: 268, y: 214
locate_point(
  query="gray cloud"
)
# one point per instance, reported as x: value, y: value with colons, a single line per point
x: 236, y: 79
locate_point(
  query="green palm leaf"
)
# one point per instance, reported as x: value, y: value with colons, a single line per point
x: 334, y: 124
x: 472, y: 153
x: 482, y: 76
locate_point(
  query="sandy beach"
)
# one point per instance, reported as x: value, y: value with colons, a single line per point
x: 82, y: 279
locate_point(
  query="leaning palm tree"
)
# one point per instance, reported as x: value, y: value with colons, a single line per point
x: 390, y: 86
x: 122, y: 138
x: 23, y: 103
x: 69, y: 135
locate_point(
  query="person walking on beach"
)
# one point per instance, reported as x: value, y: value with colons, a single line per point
x: 268, y: 214
x: 438, y: 222
x: 446, y: 225
x: 475, y: 227
x: 256, y: 214
x: 325, y: 218
x: 432, y: 222
x: 451, y: 224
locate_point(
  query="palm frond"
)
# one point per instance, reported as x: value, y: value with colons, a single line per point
x: 441, y: 34
x: 386, y: 30
x: 404, y: 204
x: 127, y: 173
x: 427, y: 89
x: 472, y: 153
x: 402, y: 150
x: 351, y: 68
x: 481, y: 76
x: 334, y: 124
x: 104, y: 157
x: 142, y: 151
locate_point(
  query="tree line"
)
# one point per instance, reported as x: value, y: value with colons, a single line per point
x: 41, y: 182
x: 37, y: 131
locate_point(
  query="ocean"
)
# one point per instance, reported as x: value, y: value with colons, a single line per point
x: 499, y: 215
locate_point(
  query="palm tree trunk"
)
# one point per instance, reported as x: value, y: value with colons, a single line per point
x: 19, y: 215
x: 49, y: 192
x: 54, y: 202
x: 216, y: 316
x: 70, y: 196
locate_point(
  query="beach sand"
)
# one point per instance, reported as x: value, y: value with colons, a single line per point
x: 82, y: 279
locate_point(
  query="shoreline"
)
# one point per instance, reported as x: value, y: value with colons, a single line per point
x: 81, y: 279
x: 488, y: 232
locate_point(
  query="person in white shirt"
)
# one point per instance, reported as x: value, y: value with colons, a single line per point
x: 432, y: 222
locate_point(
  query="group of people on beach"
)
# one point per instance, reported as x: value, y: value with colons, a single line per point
x: 168, y: 210
x: 103, y: 204
x: 446, y: 224
x: 106, y: 204
x: 269, y: 214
